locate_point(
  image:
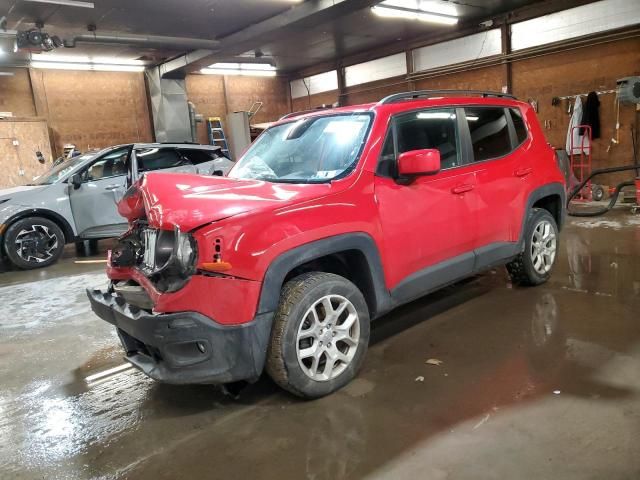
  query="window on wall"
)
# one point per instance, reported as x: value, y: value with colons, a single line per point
x: 430, y: 129
x: 518, y: 124
x: 489, y: 132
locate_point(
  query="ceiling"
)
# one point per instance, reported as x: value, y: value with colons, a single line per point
x: 295, y: 49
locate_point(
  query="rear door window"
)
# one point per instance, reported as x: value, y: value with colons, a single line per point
x: 489, y: 131
x: 196, y: 157
x: 157, y: 159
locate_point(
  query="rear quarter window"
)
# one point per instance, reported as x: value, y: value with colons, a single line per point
x: 519, y: 125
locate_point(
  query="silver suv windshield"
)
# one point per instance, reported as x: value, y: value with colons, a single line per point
x: 310, y: 150
x: 60, y: 170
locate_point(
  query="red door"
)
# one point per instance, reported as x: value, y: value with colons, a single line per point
x: 502, y: 174
x: 427, y: 225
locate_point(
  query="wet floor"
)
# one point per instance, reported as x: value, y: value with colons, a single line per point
x: 534, y: 383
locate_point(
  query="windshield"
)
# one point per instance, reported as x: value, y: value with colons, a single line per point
x: 310, y: 150
x: 60, y: 170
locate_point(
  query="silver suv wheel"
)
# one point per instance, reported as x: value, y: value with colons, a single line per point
x: 36, y: 243
x: 327, y: 338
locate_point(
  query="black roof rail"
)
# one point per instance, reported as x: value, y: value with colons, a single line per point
x: 396, y: 97
x: 302, y: 112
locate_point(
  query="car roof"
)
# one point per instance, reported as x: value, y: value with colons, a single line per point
x: 415, y: 100
x: 195, y: 146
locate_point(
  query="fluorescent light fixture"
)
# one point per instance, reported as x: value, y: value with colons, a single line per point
x: 7, y: 74
x: 66, y: 3
x: 433, y: 12
x: 56, y: 58
x: 88, y: 66
x: 247, y: 69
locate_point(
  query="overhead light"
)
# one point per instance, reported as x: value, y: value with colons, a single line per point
x: 88, y: 66
x: 57, y: 58
x: 66, y: 3
x: 432, y: 12
x: 246, y: 69
x: 7, y: 74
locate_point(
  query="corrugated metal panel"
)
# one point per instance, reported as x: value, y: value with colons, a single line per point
x: 323, y: 82
x: 472, y: 47
x: 385, y: 67
x: 575, y: 22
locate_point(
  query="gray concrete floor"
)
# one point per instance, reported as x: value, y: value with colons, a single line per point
x: 536, y: 383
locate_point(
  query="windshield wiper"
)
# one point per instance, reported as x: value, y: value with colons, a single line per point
x: 292, y: 180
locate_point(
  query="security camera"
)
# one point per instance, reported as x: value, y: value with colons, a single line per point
x: 34, y: 40
x: 487, y: 24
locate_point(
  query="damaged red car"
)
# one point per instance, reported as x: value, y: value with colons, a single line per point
x: 331, y: 219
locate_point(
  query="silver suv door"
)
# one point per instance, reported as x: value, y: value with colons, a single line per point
x: 94, y: 200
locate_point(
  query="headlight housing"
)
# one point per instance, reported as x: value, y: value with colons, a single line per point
x: 169, y: 257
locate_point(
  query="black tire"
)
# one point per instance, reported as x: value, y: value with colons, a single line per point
x: 522, y: 269
x: 45, y: 247
x: 297, y: 297
x: 597, y: 193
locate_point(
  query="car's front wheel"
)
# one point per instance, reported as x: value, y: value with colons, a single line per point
x: 33, y: 243
x: 320, y: 335
x: 534, y: 265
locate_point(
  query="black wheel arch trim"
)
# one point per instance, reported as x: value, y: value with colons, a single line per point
x: 58, y: 219
x: 287, y: 261
x: 540, y: 193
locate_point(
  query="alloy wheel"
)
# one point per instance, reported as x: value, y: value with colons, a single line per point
x: 36, y: 244
x: 543, y: 247
x: 328, y: 337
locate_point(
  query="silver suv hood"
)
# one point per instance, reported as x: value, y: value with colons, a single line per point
x: 20, y: 195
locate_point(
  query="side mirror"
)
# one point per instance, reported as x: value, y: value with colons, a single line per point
x: 76, y: 181
x: 419, y: 162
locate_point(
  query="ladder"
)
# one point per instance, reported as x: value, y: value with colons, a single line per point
x: 216, y: 134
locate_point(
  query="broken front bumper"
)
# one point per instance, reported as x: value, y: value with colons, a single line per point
x: 185, y: 347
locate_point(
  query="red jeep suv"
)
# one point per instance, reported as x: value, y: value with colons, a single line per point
x: 330, y: 219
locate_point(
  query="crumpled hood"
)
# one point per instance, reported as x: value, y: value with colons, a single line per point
x: 189, y: 201
x: 20, y: 195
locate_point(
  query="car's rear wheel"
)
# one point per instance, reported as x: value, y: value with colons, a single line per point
x: 320, y: 335
x: 534, y: 265
x: 33, y: 243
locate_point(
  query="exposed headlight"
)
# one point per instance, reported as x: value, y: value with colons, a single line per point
x: 171, y: 253
x: 185, y: 251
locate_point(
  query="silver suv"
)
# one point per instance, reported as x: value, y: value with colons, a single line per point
x: 76, y: 200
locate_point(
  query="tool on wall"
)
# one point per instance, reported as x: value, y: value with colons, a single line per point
x: 616, y: 138
x: 627, y: 92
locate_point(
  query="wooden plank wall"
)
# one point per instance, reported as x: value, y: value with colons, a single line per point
x: 217, y: 95
x: 18, y: 164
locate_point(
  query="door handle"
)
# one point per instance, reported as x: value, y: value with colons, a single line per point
x: 111, y: 187
x: 462, y: 188
x: 523, y: 172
